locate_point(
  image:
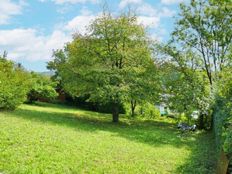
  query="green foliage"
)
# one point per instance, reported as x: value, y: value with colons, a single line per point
x: 148, y: 110
x: 227, y: 145
x: 144, y: 110
x: 185, y: 87
x: 50, y: 138
x: 201, y: 47
x: 183, y: 118
x: 14, y: 84
x: 223, y: 131
x: 223, y: 112
x: 42, y: 87
x: 205, y: 27
x: 112, y: 64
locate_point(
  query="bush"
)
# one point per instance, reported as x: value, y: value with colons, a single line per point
x: 14, y: 85
x: 42, y: 88
x: 148, y: 110
x: 182, y: 117
x: 127, y: 108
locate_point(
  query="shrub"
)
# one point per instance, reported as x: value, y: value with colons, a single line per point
x: 42, y: 88
x: 148, y: 110
x: 14, y: 84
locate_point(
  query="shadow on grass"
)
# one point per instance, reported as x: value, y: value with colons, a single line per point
x: 203, y: 157
x: 153, y: 133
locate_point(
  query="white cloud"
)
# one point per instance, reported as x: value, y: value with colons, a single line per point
x: 150, y: 16
x: 79, y: 24
x: 168, y: 2
x: 85, y: 11
x: 166, y: 12
x: 159, y: 34
x: 149, y: 21
x: 28, y: 44
x: 147, y: 15
x: 146, y: 9
x: 65, y: 8
x: 125, y: 3
x: 156, y: 37
x: 9, y: 8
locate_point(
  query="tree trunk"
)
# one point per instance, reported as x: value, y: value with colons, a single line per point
x: 212, y: 118
x: 201, y: 121
x: 133, y: 105
x: 223, y: 163
x: 115, y: 112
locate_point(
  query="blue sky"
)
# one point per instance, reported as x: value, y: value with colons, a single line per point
x: 31, y: 29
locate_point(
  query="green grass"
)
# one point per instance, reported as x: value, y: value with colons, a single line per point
x: 50, y: 139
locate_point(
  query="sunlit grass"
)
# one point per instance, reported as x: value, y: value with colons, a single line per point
x: 48, y: 138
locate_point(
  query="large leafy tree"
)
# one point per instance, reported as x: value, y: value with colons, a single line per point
x: 205, y: 26
x: 201, y: 47
x: 111, y: 64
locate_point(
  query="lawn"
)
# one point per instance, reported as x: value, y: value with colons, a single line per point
x: 46, y: 138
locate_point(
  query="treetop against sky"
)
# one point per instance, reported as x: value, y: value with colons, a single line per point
x: 30, y: 30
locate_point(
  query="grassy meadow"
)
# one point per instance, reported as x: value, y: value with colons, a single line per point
x: 48, y: 138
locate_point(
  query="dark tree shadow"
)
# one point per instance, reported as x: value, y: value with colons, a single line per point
x: 149, y: 132
x: 203, y: 156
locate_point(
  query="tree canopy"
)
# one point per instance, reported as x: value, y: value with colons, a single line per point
x: 112, y: 63
x: 205, y: 27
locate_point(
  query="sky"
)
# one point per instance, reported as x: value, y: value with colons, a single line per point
x: 31, y: 29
